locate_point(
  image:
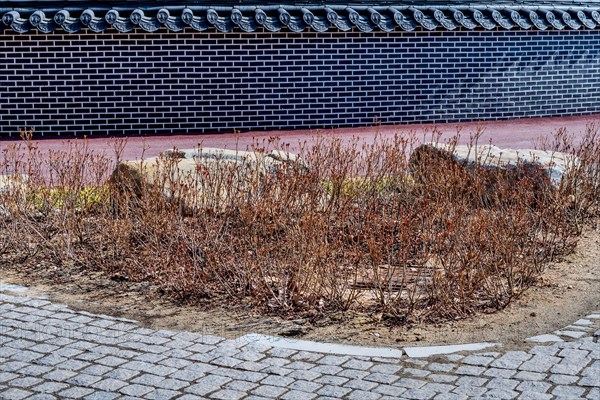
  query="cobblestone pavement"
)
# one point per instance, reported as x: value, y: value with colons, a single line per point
x: 48, y: 351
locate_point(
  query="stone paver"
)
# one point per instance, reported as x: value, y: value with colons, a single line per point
x: 48, y: 351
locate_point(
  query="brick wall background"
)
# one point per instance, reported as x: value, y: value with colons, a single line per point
x: 192, y: 82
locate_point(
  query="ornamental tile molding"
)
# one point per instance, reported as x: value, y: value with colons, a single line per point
x: 47, y: 16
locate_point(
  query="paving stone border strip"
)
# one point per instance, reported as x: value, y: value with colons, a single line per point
x: 48, y: 351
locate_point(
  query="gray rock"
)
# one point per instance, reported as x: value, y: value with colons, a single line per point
x: 555, y: 164
x: 188, y: 166
x: 13, y: 182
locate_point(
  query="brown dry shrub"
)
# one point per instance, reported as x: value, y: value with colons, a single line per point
x: 362, y: 228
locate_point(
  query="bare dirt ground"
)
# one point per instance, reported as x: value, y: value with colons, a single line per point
x: 569, y: 289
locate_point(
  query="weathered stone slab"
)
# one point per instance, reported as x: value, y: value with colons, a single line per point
x: 324, y: 348
x: 9, y: 287
x: 547, y: 338
x: 548, y: 168
x: 192, y: 167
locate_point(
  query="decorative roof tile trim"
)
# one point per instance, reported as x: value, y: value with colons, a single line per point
x: 298, y: 19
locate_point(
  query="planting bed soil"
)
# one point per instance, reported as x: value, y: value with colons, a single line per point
x: 567, y: 290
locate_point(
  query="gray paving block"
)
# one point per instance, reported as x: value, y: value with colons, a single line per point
x: 171, y: 384
x: 568, y: 392
x: 100, y: 395
x: 533, y: 386
x: 327, y: 369
x: 353, y: 374
x: 123, y: 374
x: 239, y: 374
x: 148, y: 379
x: 362, y: 395
x: 228, y: 394
x: 530, y: 376
x: 559, y: 379
x: 511, y: 360
x: 381, y: 378
x: 208, y: 384
x: 593, y: 394
x: 151, y: 358
x: 296, y: 395
x: 450, y: 396
x: 250, y: 356
x: 136, y: 390
x: 469, y: 370
x: 96, y: 369
x: 500, y: 394
x: 333, y: 360
x: 358, y: 364
x: 499, y: 373
x: 440, y: 367
x: 471, y: 391
x: 175, y: 362
x: 109, y: 384
x: 590, y: 381
x: 83, y: 379
x: 281, y: 352
x: 441, y: 378
x: 241, y: 386
x: 304, y: 386
x: 333, y: 391
x: 438, y: 387
x: 503, y: 384
x: 360, y: 384
x: 471, y: 381
x: 304, y: 375
x: 389, y: 390
x: 306, y: 356
x: 410, y: 383
x: 419, y: 394
x: 269, y: 391
x: 331, y: 380
x: 8, y: 376
x: 75, y: 393
x: 15, y: 394
x: 50, y: 387
x: 42, y: 396
x: 282, y: 381
x: 252, y: 366
x: 59, y: 375
x: 535, y: 396
x: 477, y: 360
x: 300, y: 365
x: 389, y: 369
x: 187, y: 375
x: 111, y: 361
x: 26, y: 356
x: 162, y: 394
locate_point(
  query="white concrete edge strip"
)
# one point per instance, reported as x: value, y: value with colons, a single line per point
x: 426, y: 351
x: 547, y: 338
x: 8, y: 287
x: 318, y: 347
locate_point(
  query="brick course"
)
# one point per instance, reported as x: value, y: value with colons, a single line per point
x: 201, y: 82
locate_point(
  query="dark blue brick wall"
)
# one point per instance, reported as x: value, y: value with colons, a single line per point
x: 191, y: 82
